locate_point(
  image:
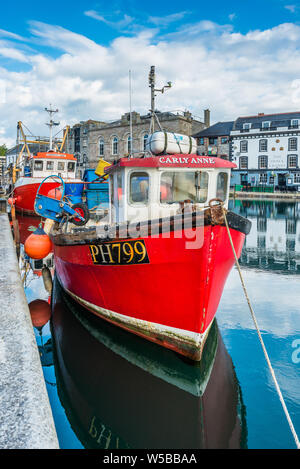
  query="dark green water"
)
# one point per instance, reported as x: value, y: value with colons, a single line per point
x: 110, y: 389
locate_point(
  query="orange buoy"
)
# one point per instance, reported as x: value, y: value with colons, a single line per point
x: 38, y: 245
x: 55, y: 194
x: 40, y: 312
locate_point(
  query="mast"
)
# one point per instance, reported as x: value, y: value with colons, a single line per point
x: 50, y: 124
x: 153, y: 90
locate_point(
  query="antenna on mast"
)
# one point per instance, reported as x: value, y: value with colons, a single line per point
x: 153, y: 90
x: 50, y: 124
x: 130, y: 116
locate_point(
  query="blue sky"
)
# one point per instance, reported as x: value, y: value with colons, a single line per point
x: 236, y: 58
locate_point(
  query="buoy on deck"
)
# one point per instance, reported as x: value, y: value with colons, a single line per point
x: 47, y: 279
x: 38, y: 245
x: 40, y: 312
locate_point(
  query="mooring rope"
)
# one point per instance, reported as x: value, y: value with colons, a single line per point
x: 260, y: 336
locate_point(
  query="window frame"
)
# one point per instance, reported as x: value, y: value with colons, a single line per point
x: 101, y: 146
x: 289, y: 161
x: 114, y: 141
x: 188, y: 170
x: 263, y: 145
x: 245, y: 142
x: 240, y: 164
x: 262, y: 158
x: 37, y: 169
x: 292, y: 140
x: 129, y: 201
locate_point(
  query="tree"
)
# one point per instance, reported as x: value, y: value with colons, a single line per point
x: 3, y: 150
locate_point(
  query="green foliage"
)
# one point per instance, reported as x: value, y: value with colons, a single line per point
x: 3, y: 150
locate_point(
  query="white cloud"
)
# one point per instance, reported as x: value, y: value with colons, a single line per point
x: 291, y: 8
x: 210, y: 65
x: 120, y: 24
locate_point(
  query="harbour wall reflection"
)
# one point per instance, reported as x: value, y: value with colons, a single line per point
x: 274, y: 240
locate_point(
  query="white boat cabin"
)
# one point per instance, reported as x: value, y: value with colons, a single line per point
x: 44, y: 164
x: 156, y: 186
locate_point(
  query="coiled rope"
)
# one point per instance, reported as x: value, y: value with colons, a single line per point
x: 260, y: 336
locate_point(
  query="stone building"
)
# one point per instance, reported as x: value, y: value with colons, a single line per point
x: 91, y: 140
x: 215, y: 140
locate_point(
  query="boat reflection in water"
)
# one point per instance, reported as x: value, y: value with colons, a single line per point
x: 120, y: 391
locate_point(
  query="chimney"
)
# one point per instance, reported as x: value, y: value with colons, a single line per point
x: 207, y: 117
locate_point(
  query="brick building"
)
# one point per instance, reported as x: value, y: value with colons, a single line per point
x: 215, y: 140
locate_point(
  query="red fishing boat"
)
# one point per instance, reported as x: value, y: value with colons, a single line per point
x: 40, y: 166
x: 32, y: 169
x: 158, y: 266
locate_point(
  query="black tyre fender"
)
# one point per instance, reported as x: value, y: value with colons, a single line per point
x: 83, y: 210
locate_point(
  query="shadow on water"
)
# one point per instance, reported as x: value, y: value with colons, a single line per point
x: 120, y: 391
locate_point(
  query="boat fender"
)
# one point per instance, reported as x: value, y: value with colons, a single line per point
x: 47, y: 278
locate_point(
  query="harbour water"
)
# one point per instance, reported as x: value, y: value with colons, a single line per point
x: 110, y: 389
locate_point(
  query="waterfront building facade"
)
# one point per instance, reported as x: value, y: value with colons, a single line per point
x: 215, y: 140
x: 265, y: 148
x: 92, y: 140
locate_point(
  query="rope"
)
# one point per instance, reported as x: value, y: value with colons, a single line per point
x: 260, y: 336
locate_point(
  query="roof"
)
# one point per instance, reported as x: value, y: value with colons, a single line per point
x: 282, y: 119
x: 172, y: 161
x: 54, y: 155
x: 218, y: 129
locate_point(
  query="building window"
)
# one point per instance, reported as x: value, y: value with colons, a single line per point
x: 263, y: 178
x: 262, y: 162
x: 213, y: 141
x: 139, y: 188
x: 243, y: 146
x: 292, y: 161
x: 129, y: 144
x: 297, y: 178
x: 101, y: 146
x: 292, y: 144
x: 263, y: 145
x: 266, y: 125
x: 115, y: 145
x: 294, y: 123
x: 145, y: 138
x: 246, y: 126
x: 224, y: 139
x: 201, y: 141
x: 244, y: 162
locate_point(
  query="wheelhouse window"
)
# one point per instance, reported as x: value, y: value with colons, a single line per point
x: 292, y: 161
x: 61, y: 166
x: 71, y: 166
x: 50, y: 165
x: 222, y: 184
x: 263, y: 145
x: 292, y: 144
x: 178, y: 186
x: 243, y: 146
x: 139, y: 188
x: 38, y: 165
x: 263, y: 162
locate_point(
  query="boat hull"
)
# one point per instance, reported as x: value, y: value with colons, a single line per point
x: 171, y: 299
x: 25, y: 192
